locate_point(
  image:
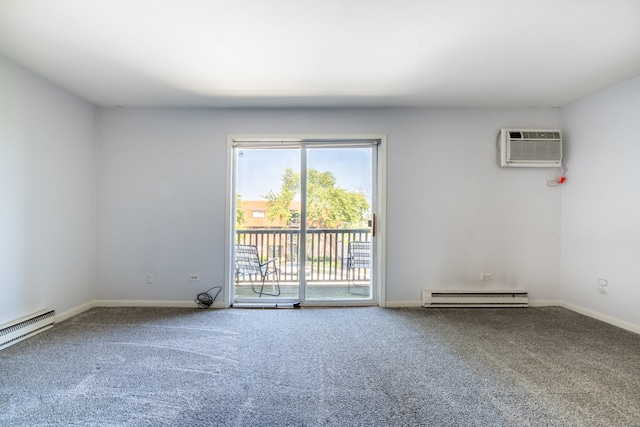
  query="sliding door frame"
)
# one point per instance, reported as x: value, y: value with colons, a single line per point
x: 379, y: 268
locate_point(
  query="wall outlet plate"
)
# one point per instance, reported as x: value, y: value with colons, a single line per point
x: 486, y: 277
x: 194, y: 277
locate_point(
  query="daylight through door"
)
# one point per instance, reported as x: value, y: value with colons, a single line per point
x: 304, y: 225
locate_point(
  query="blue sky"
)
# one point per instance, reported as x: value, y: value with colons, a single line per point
x: 260, y: 170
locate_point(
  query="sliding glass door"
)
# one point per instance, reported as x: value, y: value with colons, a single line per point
x: 304, y: 218
x: 338, y: 219
x: 267, y: 196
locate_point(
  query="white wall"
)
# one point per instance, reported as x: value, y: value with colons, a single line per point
x: 470, y: 215
x: 47, y: 196
x: 601, y: 203
x: 452, y: 212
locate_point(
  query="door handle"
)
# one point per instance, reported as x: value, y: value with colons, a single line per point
x: 373, y: 228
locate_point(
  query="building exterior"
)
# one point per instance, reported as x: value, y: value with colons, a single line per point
x: 255, y: 215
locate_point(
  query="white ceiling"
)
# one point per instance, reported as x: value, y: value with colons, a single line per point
x: 337, y: 53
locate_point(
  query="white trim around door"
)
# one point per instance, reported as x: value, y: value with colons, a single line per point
x: 378, y: 273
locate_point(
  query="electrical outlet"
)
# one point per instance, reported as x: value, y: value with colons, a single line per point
x: 486, y: 277
x: 149, y: 278
x: 604, y: 286
x: 194, y: 277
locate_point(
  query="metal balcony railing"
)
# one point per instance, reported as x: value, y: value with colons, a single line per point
x: 326, y: 252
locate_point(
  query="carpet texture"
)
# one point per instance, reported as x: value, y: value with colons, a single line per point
x: 316, y: 367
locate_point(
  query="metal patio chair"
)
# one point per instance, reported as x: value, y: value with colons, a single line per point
x: 248, y: 263
x: 358, y: 258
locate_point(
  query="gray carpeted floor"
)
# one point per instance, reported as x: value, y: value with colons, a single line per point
x: 314, y: 367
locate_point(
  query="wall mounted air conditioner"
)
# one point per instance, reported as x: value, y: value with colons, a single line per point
x: 541, y: 148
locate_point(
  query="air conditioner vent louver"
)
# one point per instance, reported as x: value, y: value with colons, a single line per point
x: 534, y: 151
x: 541, y: 135
x: 530, y: 148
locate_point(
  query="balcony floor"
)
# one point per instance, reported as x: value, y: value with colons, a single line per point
x: 315, y: 291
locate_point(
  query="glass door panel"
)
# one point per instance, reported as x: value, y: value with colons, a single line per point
x: 317, y: 252
x: 267, y: 217
x: 338, y: 238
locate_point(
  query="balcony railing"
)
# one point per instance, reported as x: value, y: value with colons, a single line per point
x: 326, y: 252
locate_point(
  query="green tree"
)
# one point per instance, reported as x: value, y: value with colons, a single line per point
x: 279, y: 204
x: 240, y: 218
x: 328, y: 206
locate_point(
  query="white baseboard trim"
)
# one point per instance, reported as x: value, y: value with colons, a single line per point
x: 602, y: 317
x: 61, y: 317
x: 143, y: 303
x: 545, y: 303
x: 152, y: 303
x: 403, y: 304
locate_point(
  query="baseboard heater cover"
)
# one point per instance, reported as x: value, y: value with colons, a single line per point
x: 25, y: 327
x: 448, y: 298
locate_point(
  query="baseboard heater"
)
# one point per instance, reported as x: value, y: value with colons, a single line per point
x: 475, y: 298
x: 25, y: 327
